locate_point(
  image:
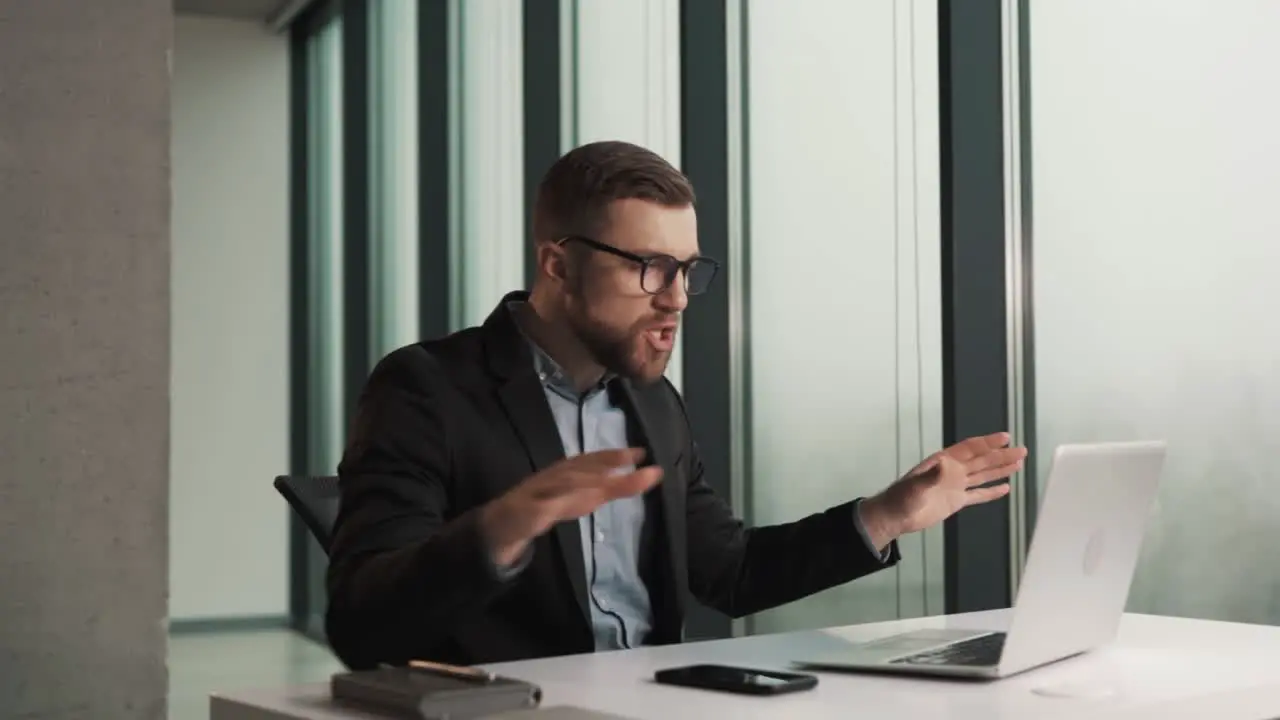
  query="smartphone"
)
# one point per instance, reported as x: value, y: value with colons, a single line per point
x: 736, y: 679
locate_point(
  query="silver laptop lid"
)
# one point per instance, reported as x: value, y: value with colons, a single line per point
x: 1085, y: 548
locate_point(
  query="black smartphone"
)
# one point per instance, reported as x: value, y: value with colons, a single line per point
x: 736, y: 680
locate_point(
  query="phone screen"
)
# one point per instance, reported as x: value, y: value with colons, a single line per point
x: 736, y: 679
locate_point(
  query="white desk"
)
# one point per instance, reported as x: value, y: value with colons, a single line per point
x: 1158, y: 668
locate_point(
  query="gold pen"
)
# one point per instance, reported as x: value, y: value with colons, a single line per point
x: 459, y: 672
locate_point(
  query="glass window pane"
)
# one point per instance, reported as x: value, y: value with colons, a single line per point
x: 393, y: 145
x: 845, y: 361
x: 488, y: 247
x: 326, y: 422
x: 1155, y: 168
x: 626, y: 70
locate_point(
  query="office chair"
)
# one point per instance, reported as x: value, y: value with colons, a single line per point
x: 315, y: 499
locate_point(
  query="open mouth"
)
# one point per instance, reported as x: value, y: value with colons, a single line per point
x: 663, y: 339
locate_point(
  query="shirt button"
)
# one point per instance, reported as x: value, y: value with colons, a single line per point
x: 599, y: 537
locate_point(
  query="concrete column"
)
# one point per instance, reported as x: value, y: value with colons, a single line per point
x: 84, y: 357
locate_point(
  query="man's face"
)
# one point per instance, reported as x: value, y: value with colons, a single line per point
x: 629, y: 329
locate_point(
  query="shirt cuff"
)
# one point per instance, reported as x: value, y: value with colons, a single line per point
x: 866, y: 538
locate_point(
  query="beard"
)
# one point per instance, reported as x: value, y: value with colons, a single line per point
x: 621, y: 351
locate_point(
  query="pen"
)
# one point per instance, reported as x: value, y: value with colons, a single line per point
x: 454, y: 671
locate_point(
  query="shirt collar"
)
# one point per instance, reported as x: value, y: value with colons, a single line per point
x: 549, y: 371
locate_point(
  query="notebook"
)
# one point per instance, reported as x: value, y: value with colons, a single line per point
x: 429, y: 694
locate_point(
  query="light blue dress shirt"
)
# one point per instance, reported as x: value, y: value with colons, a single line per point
x: 621, y: 616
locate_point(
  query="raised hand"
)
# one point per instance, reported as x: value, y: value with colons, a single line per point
x: 941, y: 486
x: 567, y: 490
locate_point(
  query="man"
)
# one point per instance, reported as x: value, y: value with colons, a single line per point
x: 531, y: 487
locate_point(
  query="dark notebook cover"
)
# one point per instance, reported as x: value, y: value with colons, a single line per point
x: 413, y: 693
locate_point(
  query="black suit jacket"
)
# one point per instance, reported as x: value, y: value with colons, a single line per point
x: 445, y: 426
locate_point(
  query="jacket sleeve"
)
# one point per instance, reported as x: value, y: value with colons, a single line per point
x: 740, y: 571
x: 403, y: 569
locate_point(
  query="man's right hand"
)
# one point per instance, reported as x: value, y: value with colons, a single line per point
x: 567, y: 490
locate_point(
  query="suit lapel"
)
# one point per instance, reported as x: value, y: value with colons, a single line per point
x: 525, y: 403
x: 524, y: 400
x: 651, y: 415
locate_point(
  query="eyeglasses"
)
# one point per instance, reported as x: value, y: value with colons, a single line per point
x: 658, y: 272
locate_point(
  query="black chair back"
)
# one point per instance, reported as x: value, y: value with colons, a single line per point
x: 315, y: 499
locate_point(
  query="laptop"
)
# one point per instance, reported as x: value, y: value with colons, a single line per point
x: 1075, y: 584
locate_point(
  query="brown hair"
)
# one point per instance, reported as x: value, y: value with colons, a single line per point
x: 575, y: 194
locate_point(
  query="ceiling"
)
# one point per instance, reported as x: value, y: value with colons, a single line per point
x: 247, y: 9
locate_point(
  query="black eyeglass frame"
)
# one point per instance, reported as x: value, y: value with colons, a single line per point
x: 676, y: 265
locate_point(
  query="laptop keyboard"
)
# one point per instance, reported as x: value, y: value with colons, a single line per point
x: 981, y: 651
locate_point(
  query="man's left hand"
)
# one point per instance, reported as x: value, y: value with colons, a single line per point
x: 941, y: 486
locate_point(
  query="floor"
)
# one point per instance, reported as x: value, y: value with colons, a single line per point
x: 201, y: 662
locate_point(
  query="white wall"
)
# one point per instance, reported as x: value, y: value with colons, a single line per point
x: 1156, y: 165
x: 845, y: 334
x: 229, y: 529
